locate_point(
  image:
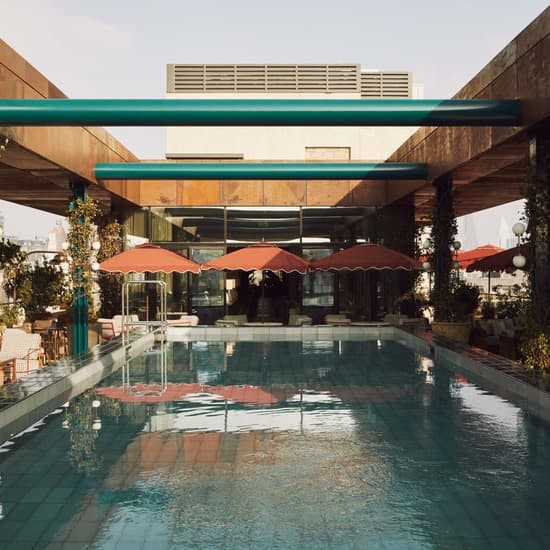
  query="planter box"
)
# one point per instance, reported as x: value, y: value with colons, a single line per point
x: 460, y: 332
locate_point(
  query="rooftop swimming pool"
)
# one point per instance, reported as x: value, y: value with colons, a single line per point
x: 314, y: 444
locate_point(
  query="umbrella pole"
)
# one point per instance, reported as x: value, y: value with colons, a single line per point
x: 262, y: 296
x: 489, y: 286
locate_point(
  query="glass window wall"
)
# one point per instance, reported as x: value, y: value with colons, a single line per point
x: 318, y: 286
x: 180, y: 224
x: 207, y: 289
x: 249, y: 225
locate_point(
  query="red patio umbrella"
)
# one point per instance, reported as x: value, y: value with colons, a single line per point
x: 501, y: 261
x: 366, y: 256
x: 467, y: 257
x: 259, y: 256
x: 149, y: 258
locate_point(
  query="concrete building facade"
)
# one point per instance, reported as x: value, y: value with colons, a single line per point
x: 249, y: 82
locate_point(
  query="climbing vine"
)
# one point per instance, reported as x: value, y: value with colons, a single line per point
x: 81, y: 217
x: 110, y: 284
x: 444, y: 230
x: 537, y: 218
x: 535, y: 347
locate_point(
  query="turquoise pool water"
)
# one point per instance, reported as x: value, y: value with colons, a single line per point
x: 343, y: 444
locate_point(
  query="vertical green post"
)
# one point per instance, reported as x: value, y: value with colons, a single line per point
x: 80, y: 298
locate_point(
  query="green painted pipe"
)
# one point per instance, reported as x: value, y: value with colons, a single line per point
x: 259, y: 112
x: 260, y: 171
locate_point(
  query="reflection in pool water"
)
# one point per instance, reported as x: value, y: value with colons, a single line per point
x: 280, y: 444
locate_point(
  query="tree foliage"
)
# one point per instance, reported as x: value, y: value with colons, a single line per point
x: 39, y: 287
x: 110, y: 284
x: 81, y: 217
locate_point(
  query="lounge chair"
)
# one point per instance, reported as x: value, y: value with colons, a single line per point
x: 298, y: 320
x: 184, y: 321
x: 337, y: 319
x: 111, y: 328
x: 25, y: 349
x: 232, y: 320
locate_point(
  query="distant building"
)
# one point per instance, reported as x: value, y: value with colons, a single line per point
x: 506, y: 238
x: 467, y: 233
x: 29, y: 246
x: 56, y: 237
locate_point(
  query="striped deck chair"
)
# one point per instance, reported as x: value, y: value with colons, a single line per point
x: 184, y: 321
x: 111, y: 328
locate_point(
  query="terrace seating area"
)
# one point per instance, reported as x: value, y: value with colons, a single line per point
x: 414, y: 324
x: 499, y: 336
x: 20, y: 353
x: 232, y: 320
x: 54, y: 338
x: 184, y: 320
x: 112, y: 328
x: 296, y: 319
x: 337, y: 319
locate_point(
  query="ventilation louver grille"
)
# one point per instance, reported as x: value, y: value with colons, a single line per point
x: 387, y: 85
x: 287, y: 79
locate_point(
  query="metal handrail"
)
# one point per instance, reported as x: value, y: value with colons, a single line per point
x: 128, y: 323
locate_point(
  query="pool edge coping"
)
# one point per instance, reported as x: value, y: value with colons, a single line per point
x: 32, y: 408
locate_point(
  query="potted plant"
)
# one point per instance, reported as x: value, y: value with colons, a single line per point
x: 488, y: 310
x: 411, y: 304
x: 510, y: 301
x: 456, y: 310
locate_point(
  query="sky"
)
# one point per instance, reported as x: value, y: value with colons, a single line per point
x: 108, y: 49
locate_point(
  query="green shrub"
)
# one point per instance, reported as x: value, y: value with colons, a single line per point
x: 488, y: 309
x: 510, y: 301
x: 411, y: 304
x: 536, y: 352
x: 459, y: 304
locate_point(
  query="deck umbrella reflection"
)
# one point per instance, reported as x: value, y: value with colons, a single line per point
x: 152, y: 393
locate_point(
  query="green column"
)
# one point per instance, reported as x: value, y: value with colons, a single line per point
x: 80, y: 297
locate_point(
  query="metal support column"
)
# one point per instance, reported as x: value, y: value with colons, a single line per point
x: 80, y: 298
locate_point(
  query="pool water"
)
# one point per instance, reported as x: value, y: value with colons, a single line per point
x: 346, y: 444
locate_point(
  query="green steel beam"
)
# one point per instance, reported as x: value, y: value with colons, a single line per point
x: 260, y: 171
x: 260, y: 112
